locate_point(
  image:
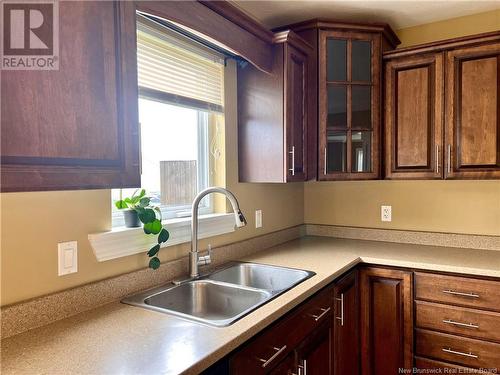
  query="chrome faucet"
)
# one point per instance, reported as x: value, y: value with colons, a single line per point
x: 194, y: 259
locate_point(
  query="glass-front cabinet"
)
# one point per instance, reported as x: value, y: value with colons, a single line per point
x: 349, y: 97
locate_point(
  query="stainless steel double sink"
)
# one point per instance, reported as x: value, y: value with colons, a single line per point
x: 221, y: 298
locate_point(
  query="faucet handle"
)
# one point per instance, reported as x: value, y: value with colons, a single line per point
x: 206, y: 259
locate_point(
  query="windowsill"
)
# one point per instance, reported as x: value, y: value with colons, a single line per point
x: 121, y: 242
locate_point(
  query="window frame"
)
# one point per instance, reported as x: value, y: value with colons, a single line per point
x: 203, y: 176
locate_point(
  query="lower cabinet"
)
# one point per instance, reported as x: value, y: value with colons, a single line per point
x: 386, y: 321
x: 364, y: 323
x: 300, y: 343
x: 346, y: 342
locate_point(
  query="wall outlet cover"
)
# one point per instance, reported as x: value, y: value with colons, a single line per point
x: 386, y: 213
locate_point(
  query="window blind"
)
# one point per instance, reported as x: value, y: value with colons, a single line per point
x: 174, y: 69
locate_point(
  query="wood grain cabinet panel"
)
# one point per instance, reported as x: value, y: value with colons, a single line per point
x: 386, y: 321
x: 459, y: 291
x: 76, y: 127
x: 414, y: 117
x: 472, y: 112
x: 273, y: 119
x: 346, y: 325
x: 456, y: 349
x: 479, y: 324
x: 444, y: 368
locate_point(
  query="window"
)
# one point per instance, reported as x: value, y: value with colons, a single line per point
x: 181, y: 115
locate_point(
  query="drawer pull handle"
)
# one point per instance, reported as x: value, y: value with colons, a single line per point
x: 341, y: 317
x: 469, y: 355
x: 462, y: 294
x: 324, y: 312
x: 266, y: 362
x: 468, y: 325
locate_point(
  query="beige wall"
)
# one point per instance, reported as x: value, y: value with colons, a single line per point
x: 446, y: 206
x: 442, y: 206
x: 33, y: 223
x: 451, y: 28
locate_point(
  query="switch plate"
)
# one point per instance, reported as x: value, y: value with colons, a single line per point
x: 67, y: 257
x: 386, y: 213
x: 258, y: 218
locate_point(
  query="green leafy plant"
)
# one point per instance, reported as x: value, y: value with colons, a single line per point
x: 150, y: 216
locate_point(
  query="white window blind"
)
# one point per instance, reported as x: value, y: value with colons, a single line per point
x: 172, y: 68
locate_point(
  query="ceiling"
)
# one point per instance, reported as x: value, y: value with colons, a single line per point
x: 398, y: 13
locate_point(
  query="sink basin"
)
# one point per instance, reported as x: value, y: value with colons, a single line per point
x: 206, y: 301
x: 223, y: 297
x: 261, y: 276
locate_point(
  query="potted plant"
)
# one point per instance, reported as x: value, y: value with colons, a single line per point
x: 138, y: 208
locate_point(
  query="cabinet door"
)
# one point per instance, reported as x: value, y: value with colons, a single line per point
x: 314, y: 356
x: 472, y: 112
x: 295, y: 113
x: 286, y: 367
x: 346, y: 326
x: 386, y: 321
x: 414, y: 117
x: 349, y: 105
x: 76, y: 127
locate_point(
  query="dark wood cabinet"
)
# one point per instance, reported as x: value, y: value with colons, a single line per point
x: 346, y: 341
x: 273, y: 116
x: 472, y: 133
x: 414, y: 114
x: 386, y: 321
x: 76, y: 127
x: 299, y: 343
x: 314, y: 356
x: 442, y: 108
x: 346, y: 75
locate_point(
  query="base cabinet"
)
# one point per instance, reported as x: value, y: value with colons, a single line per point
x: 386, y: 321
x: 364, y: 323
x: 346, y: 340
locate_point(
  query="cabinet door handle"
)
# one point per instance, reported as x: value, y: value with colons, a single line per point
x: 293, y: 161
x: 341, y: 317
x: 303, y: 367
x: 449, y: 159
x: 467, y: 325
x: 324, y: 312
x: 325, y: 161
x: 469, y: 355
x: 437, y: 158
x: 461, y: 294
x: 266, y: 362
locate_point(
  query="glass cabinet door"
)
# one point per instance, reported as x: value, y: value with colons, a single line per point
x: 348, y: 125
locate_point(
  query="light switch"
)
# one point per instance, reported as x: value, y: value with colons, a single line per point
x: 67, y: 257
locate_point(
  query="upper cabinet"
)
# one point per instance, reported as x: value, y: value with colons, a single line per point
x: 347, y: 76
x: 442, y: 109
x: 273, y: 116
x: 76, y: 127
x: 472, y: 132
x: 414, y: 117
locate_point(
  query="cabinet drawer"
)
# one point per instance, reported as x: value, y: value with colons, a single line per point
x: 459, y: 350
x: 478, y: 324
x: 270, y: 347
x: 440, y: 367
x: 463, y: 291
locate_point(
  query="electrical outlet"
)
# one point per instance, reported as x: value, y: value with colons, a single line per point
x: 258, y: 218
x: 386, y: 213
x: 67, y: 257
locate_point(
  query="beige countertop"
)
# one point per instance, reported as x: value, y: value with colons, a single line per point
x: 122, y: 339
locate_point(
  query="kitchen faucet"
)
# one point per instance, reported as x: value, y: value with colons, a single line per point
x: 194, y: 259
